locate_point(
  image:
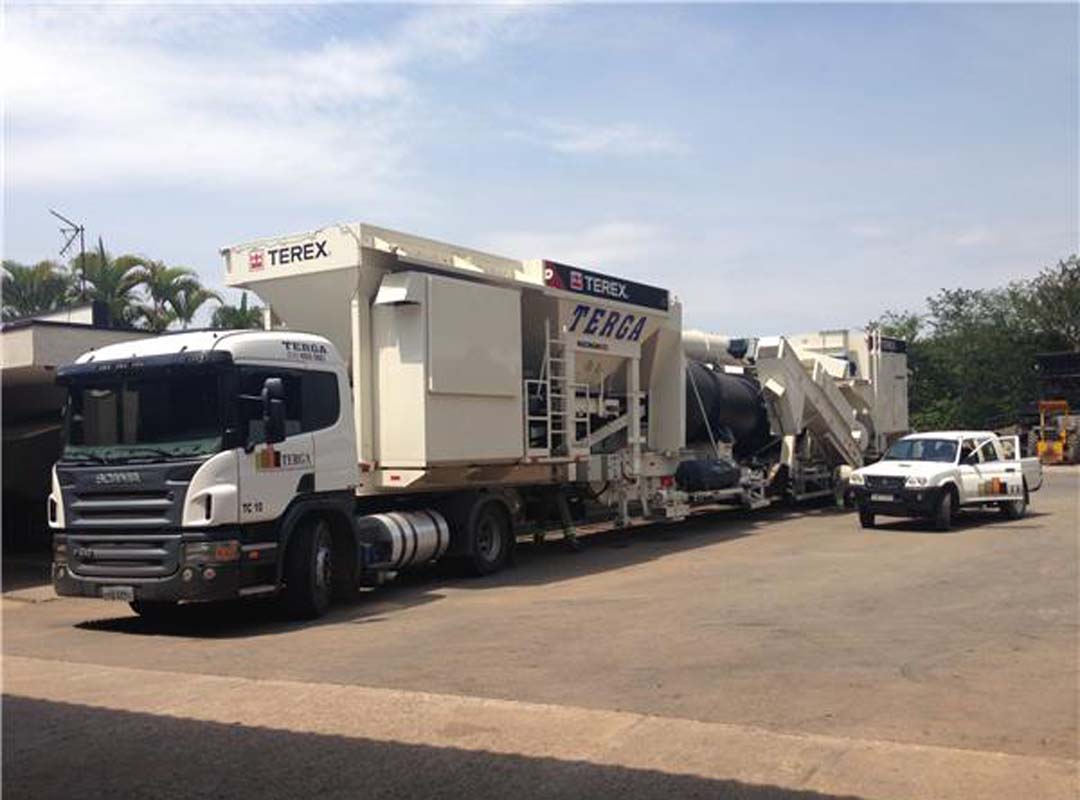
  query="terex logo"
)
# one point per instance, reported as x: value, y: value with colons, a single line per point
x: 577, y: 284
x: 280, y: 256
x: 601, y: 286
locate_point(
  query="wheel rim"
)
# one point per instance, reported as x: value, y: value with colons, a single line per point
x: 488, y: 539
x: 324, y: 562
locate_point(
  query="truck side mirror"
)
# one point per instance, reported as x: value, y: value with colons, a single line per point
x: 273, y: 400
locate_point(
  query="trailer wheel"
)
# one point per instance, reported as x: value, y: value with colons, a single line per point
x: 156, y: 610
x: 309, y: 569
x: 866, y: 517
x: 489, y: 539
x: 943, y: 514
x: 1015, y: 509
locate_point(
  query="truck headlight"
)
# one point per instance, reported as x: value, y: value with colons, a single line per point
x: 857, y: 479
x: 212, y: 552
x: 914, y: 481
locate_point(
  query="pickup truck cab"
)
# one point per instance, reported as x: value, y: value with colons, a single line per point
x: 934, y: 475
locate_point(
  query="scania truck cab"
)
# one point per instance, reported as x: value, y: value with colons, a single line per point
x: 192, y: 462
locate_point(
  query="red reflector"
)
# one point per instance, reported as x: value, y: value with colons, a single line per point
x: 395, y: 477
x: 667, y: 481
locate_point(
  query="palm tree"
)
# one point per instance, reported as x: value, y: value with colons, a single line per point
x: 112, y: 281
x: 188, y: 300
x: 234, y: 317
x: 162, y: 285
x: 46, y: 286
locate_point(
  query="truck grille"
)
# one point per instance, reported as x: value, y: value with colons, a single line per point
x: 125, y: 497
x: 107, y: 509
x: 887, y: 482
x: 128, y: 556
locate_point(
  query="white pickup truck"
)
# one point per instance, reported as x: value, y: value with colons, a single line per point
x: 934, y: 475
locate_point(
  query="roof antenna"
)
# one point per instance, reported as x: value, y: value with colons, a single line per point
x: 70, y: 230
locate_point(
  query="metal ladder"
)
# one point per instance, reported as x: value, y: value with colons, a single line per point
x: 564, y: 423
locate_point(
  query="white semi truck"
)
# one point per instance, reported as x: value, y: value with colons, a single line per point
x: 412, y: 400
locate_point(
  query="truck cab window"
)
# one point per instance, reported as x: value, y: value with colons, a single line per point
x: 311, y: 400
x: 966, y: 449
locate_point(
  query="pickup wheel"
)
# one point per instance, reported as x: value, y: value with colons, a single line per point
x: 309, y: 570
x: 866, y: 518
x: 1015, y: 509
x: 943, y: 514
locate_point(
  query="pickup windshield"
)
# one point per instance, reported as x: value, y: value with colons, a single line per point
x: 157, y: 417
x: 943, y: 450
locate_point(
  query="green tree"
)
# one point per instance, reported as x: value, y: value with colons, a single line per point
x: 27, y: 290
x: 162, y: 284
x: 188, y: 300
x: 1052, y: 302
x: 237, y: 317
x: 110, y: 280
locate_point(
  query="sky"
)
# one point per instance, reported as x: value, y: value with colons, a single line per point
x: 779, y: 167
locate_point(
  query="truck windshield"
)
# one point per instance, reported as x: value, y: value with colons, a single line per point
x: 173, y: 414
x: 922, y: 450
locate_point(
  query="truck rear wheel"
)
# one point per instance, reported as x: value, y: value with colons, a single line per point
x: 309, y: 570
x: 490, y: 539
x: 943, y: 514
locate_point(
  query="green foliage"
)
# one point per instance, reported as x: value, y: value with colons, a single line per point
x: 237, y: 317
x: 971, y: 356
x: 26, y: 290
x: 138, y: 291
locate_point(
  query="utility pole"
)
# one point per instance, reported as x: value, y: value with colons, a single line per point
x: 70, y: 230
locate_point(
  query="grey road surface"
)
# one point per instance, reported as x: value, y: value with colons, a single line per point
x: 774, y: 654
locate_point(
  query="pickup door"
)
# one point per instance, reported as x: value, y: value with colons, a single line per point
x: 986, y: 475
x: 1030, y: 468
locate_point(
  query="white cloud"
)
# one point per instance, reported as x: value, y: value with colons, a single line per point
x: 617, y: 139
x: 608, y: 246
x: 137, y: 94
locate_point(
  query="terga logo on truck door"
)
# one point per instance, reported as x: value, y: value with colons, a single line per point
x: 288, y: 255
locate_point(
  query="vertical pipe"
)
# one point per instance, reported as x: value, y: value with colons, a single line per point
x: 363, y: 387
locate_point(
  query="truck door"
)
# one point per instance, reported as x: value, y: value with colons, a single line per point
x: 271, y: 475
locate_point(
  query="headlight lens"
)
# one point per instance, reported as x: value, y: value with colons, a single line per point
x: 857, y: 479
x: 915, y: 480
x: 212, y: 552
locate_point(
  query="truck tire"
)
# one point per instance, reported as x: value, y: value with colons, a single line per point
x: 490, y: 538
x: 943, y: 514
x: 866, y: 517
x: 156, y: 610
x: 309, y: 569
x: 1015, y: 509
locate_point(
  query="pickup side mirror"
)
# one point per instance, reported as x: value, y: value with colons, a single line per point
x: 273, y: 400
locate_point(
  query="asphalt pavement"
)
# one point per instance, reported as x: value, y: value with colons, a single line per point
x: 782, y: 653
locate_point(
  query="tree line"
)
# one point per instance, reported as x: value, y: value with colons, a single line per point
x: 139, y: 292
x: 971, y: 354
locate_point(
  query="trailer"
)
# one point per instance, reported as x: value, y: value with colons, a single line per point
x: 412, y: 400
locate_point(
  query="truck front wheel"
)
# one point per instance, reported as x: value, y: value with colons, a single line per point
x: 156, y: 610
x: 309, y: 570
x: 866, y: 517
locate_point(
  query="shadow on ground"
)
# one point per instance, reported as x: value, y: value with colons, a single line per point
x: 54, y: 749
x: 534, y: 564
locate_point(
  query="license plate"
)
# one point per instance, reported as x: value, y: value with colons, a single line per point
x: 881, y: 498
x: 125, y: 593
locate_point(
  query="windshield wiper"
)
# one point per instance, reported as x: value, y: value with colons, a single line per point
x: 84, y: 457
x: 150, y: 451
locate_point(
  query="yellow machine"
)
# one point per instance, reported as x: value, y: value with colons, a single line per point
x: 1059, y: 433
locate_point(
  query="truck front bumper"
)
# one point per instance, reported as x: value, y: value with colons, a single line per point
x: 917, y: 502
x: 156, y: 566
